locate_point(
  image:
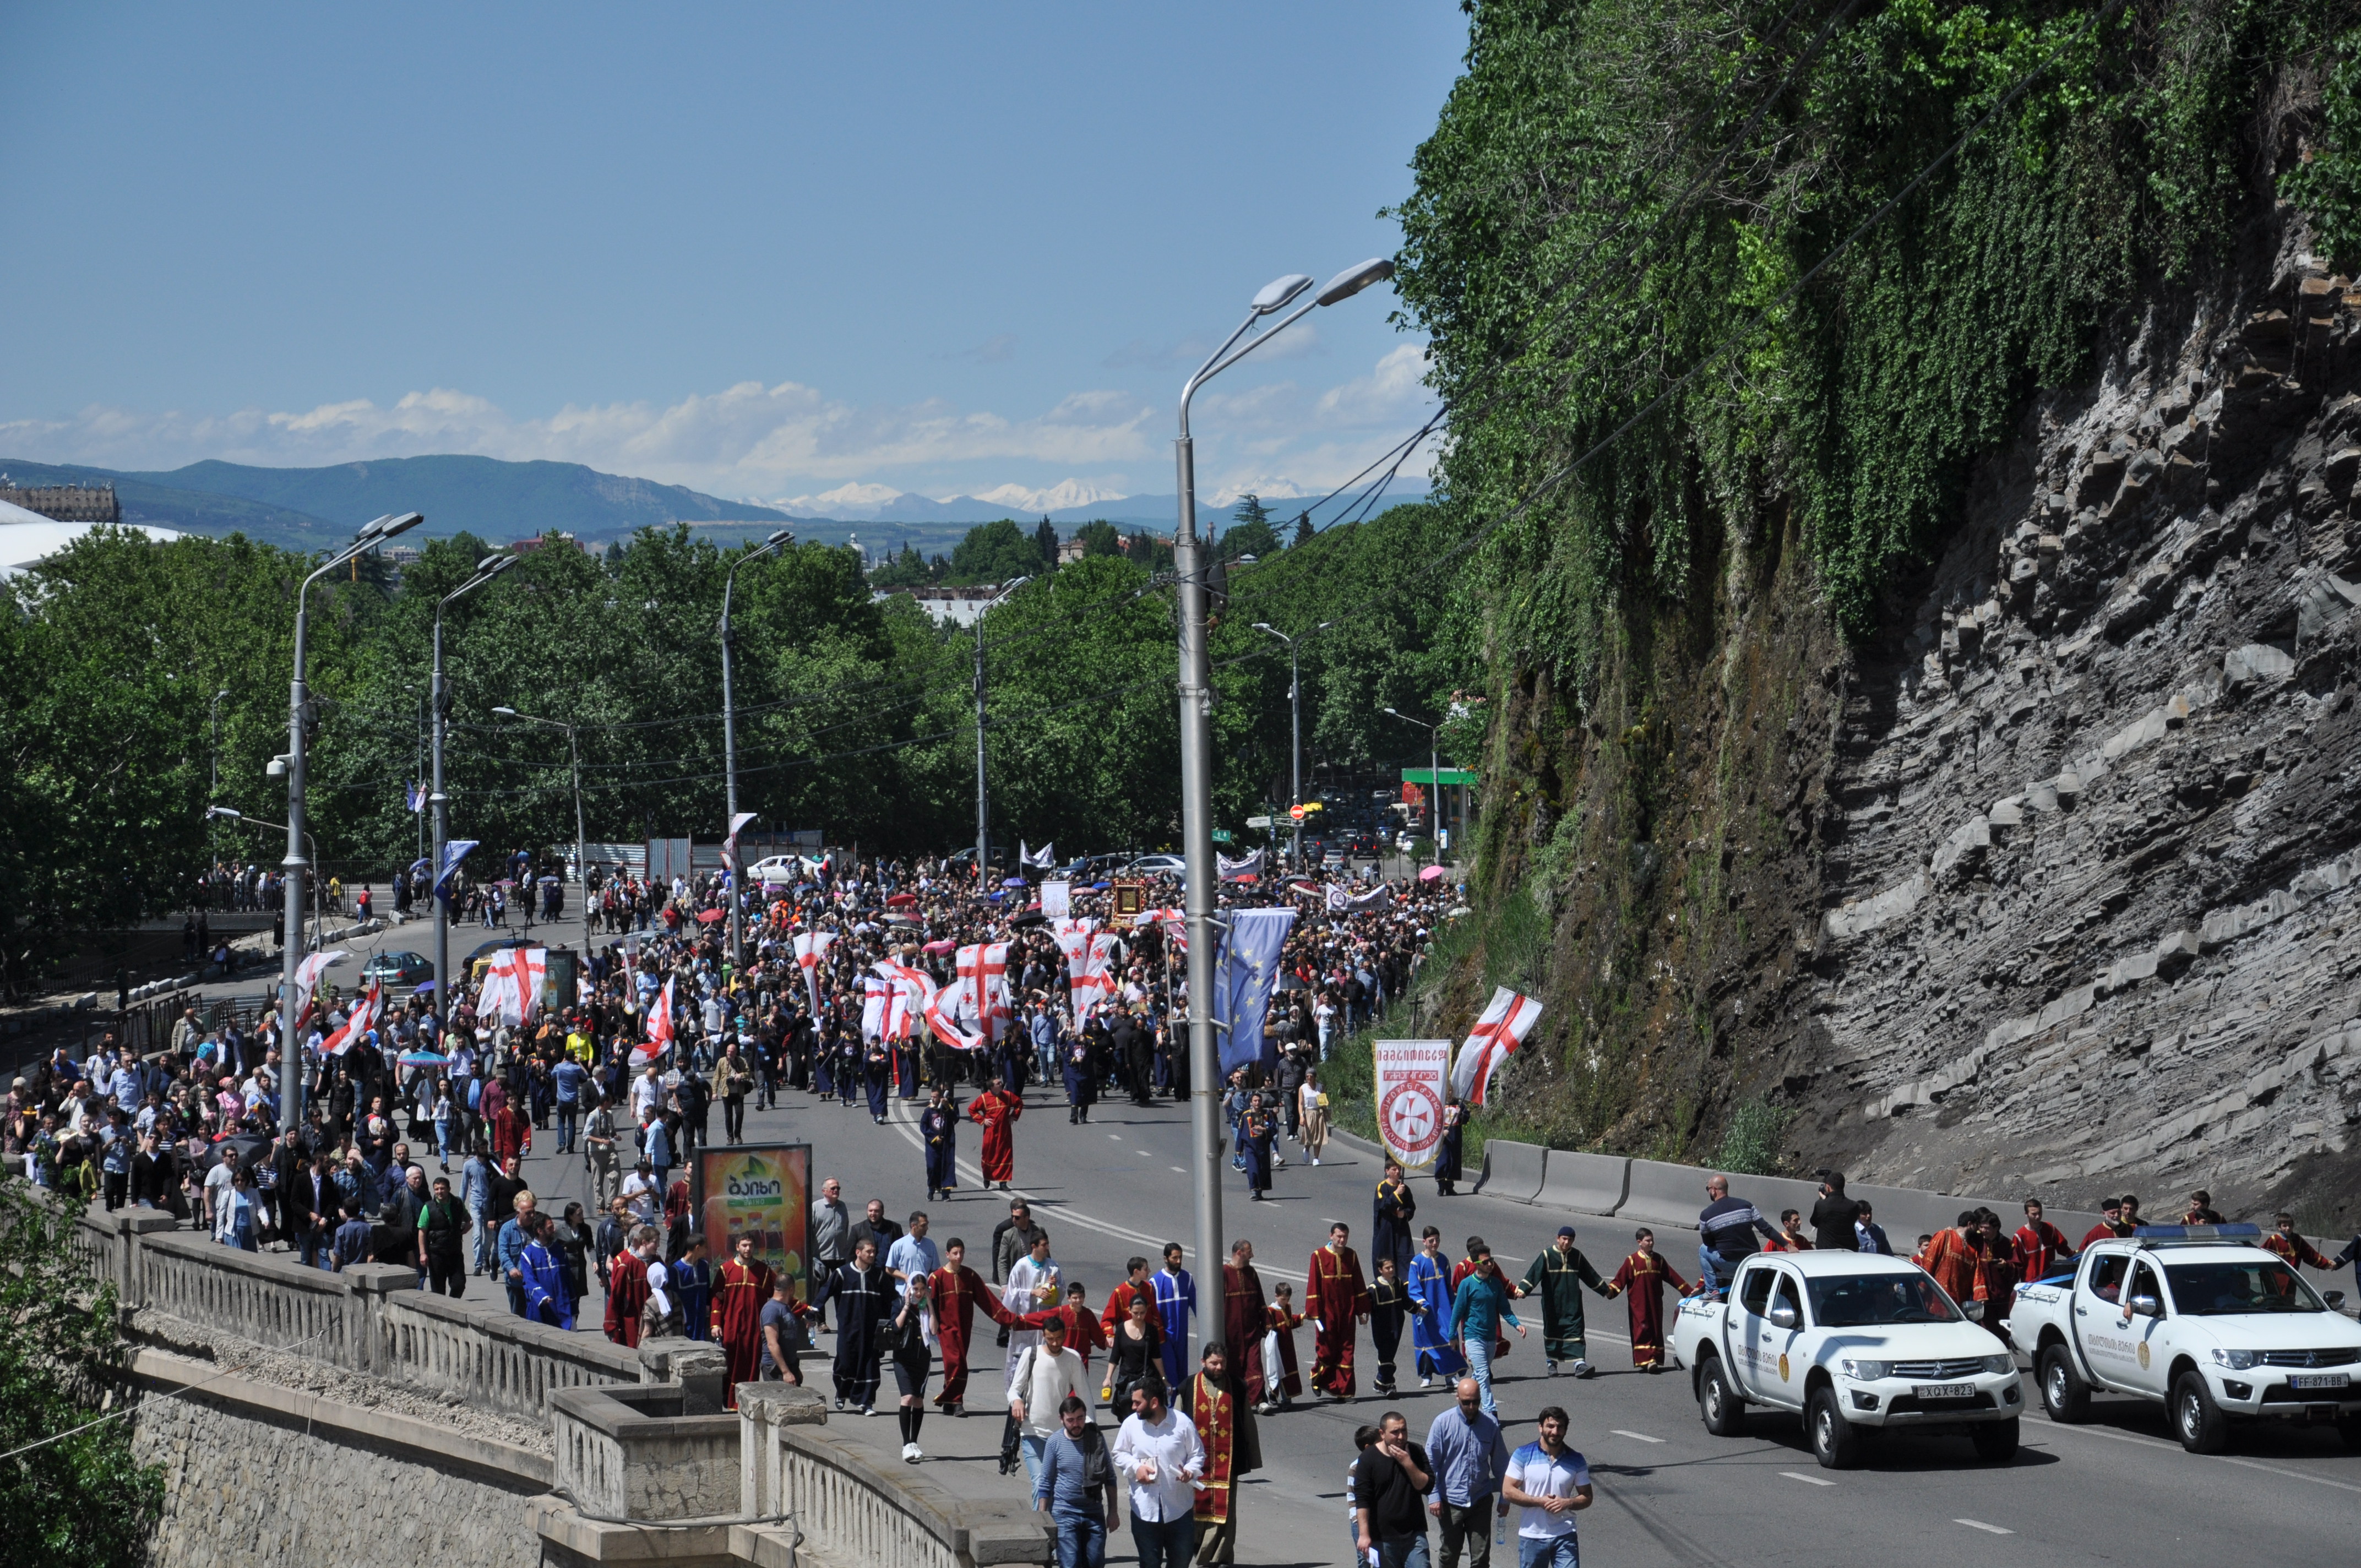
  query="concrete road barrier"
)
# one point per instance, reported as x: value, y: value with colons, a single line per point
x: 1585, y: 1183
x: 1513, y: 1170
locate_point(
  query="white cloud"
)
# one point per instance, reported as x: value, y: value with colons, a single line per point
x: 1277, y: 438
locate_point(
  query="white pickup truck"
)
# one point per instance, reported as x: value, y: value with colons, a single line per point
x: 1849, y: 1341
x: 2200, y: 1320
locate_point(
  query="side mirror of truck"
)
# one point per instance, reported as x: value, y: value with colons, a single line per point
x: 1783, y: 1316
x: 2146, y: 1307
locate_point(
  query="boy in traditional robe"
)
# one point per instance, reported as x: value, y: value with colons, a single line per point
x: 1430, y: 1285
x: 954, y: 1293
x: 1641, y: 1282
x: 740, y: 1294
x: 996, y: 1112
x: 1281, y: 1379
x: 1390, y: 1303
x: 1336, y: 1300
x: 1559, y: 1273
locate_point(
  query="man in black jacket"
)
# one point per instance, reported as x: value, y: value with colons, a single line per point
x: 1833, y: 1215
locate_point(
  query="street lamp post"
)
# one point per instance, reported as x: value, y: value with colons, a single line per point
x: 730, y: 734
x: 1434, y: 781
x: 581, y: 861
x: 983, y: 800
x: 439, y: 701
x: 1196, y: 752
x: 319, y: 919
x: 296, y: 866
x: 213, y: 788
x: 1295, y: 716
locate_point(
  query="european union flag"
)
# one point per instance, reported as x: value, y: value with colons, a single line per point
x: 1245, y: 972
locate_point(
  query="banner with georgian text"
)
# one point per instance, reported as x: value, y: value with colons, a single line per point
x: 1412, y: 1079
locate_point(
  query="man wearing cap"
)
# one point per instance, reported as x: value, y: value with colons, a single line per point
x: 1558, y: 1275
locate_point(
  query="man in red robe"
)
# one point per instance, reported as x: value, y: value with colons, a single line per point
x: 1232, y: 1450
x: 1245, y: 1317
x: 2112, y: 1226
x: 2283, y: 1242
x: 953, y: 1292
x: 2039, y: 1245
x: 1951, y: 1258
x: 996, y: 1111
x: 627, y: 1287
x: 1641, y: 1282
x: 1336, y: 1298
x: 740, y: 1290
x: 1118, y: 1302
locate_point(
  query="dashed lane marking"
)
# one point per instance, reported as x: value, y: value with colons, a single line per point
x: 2138, y: 1442
x: 1807, y: 1480
x: 1634, y: 1436
x: 1988, y: 1528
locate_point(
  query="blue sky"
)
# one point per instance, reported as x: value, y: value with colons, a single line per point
x: 766, y: 251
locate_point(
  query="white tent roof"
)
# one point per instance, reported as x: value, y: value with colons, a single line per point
x: 27, y: 536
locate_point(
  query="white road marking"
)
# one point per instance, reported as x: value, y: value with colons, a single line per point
x: 2138, y: 1440
x: 1116, y: 1136
x: 1979, y: 1524
x: 1634, y: 1436
x: 1145, y: 1155
x: 1180, y: 1171
x: 1807, y: 1480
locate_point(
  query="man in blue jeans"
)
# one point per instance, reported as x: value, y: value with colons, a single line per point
x: 1077, y: 1485
x: 1465, y: 1448
x: 1476, y: 1313
x: 568, y: 1077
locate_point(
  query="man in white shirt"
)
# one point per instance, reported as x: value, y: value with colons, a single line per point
x: 642, y: 1194
x: 647, y: 1095
x: 1038, y: 1382
x: 1552, y: 1483
x: 1035, y: 1282
x: 1161, y: 1457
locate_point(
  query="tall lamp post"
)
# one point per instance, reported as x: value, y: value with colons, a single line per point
x: 983, y: 800
x: 439, y: 701
x: 770, y: 546
x: 1196, y: 749
x: 229, y: 814
x: 581, y: 859
x: 1434, y: 781
x: 375, y: 532
x: 1295, y: 716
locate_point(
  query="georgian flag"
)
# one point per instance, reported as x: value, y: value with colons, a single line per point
x: 1093, y: 982
x: 512, y: 989
x: 983, y: 989
x: 358, y: 1023
x: 810, y: 947
x: 1073, y: 935
x: 874, y: 994
x: 307, y: 984
x: 660, y: 1030
x: 730, y: 844
x: 942, y: 1007
x: 1507, y: 1020
x: 1175, y: 923
x: 1340, y: 898
x: 910, y: 992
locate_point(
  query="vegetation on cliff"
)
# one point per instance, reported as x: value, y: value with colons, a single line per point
x: 1727, y: 297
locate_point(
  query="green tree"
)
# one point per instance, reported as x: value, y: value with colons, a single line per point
x: 78, y: 1496
x: 1302, y: 529
x: 1250, y: 532
x: 993, y: 552
x: 1045, y: 542
x: 904, y: 569
x: 1100, y: 537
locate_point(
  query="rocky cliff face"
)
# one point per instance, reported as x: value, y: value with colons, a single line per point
x: 2051, y: 886
x: 2090, y: 855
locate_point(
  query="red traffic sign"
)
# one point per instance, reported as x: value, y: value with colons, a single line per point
x: 1295, y: 813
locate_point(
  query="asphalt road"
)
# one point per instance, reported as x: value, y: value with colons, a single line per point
x: 2117, y: 1490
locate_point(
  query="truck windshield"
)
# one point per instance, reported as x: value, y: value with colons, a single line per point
x: 2219, y: 1290
x: 1864, y: 1299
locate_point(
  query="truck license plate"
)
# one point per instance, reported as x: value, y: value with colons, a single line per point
x: 1944, y: 1390
x: 2319, y: 1380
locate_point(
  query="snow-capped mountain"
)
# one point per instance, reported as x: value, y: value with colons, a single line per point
x: 866, y: 503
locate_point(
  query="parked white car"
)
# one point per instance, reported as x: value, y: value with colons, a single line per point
x: 1849, y: 1341
x: 2202, y: 1321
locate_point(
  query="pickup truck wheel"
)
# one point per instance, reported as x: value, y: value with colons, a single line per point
x: 1717, y: 1402
x: 2063, y: 1393
x: 1995, y: 1440
x: 1834, y: 1443
x: 2197, y: 1420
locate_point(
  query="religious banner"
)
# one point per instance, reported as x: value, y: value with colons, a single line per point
x: 1410, y: 1091
x: 758, y: 1189
x: 1057, y: 899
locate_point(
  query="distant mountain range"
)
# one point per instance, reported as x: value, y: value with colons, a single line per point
x: 314, y: 508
